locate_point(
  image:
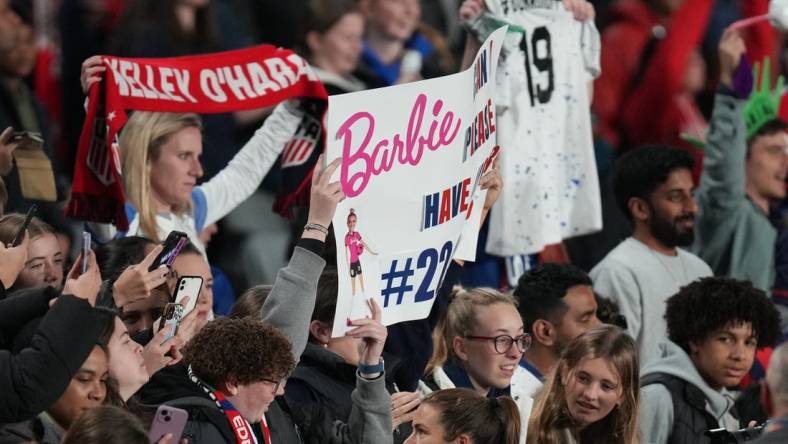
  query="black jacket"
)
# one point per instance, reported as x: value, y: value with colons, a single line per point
x: 207, y: 424
x: 323, y: 382
x: 33, y: 379
x: 691, y: 420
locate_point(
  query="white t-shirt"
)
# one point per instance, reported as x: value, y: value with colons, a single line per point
x: 551, y: 190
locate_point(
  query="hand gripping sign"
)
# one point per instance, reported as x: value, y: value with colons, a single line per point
x: 412, y: 157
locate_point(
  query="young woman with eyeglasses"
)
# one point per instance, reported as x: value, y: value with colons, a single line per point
x: 591, y: 395
x: 478, y: 346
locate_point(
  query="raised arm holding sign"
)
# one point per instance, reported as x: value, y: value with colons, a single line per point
x: 413, y: 157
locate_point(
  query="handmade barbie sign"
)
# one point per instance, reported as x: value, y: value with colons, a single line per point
x: 412, y: 156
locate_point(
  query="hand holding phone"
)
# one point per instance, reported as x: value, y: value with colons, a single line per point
x: 86, y: 241
x: 172, y: 246
x: 170, y: 420
x: 187, y: 286
x: 20, y: 233
x: 173, y: 313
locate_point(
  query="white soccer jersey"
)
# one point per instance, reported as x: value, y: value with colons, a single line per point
x: 551, y: 189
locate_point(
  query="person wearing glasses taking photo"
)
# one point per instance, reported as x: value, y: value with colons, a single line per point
x: 478, y: 345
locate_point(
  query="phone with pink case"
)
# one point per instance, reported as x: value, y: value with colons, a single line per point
x: 170, y: 420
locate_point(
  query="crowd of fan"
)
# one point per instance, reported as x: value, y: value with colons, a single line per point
x: 673, y: 332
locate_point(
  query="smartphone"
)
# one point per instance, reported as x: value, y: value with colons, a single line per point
x: 187, y: 286
x: 17, y: 136
x: 20, y: 234
x: 173, y: 313
x: 86, y: 240
x: 170, y: 420
x: 172, y: 246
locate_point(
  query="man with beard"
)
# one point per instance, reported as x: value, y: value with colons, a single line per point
x: 743, y: 173
x: 654, y: 188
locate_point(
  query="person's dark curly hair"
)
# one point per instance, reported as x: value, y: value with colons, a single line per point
x: 243, y: 351
x: 540, y: 292
x: 640, y: 171
x: 712, y: 303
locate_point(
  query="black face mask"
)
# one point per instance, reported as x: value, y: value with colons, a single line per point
x: 142, y: 337
x: 668, y: 232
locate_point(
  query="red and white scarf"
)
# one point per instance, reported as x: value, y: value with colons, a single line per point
x: 242, y: 429
x: 243, y: 79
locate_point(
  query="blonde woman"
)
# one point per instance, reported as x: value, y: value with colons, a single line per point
x: 478, y: 346
x: 160, y: 159
x: 591, y: 396
x: 44, y: 265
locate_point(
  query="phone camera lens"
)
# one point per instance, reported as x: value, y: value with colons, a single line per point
x: 166, y: 419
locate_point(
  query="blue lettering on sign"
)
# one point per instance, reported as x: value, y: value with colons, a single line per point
x: 397, y: 281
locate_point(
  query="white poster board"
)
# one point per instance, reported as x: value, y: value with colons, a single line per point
x: 412, y: 156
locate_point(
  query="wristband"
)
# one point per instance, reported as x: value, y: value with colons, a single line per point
x: 366, y: 369
x: 318, y: 227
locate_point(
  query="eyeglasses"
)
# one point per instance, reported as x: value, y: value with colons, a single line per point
x: 503, y: 343
x: 276, y: 384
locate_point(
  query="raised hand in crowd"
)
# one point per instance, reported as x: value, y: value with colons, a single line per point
x: 582, y: 10
x: 324, y: 197
x: 91, y: 68
x: 159, y: 353
x: 493, y: 183
x: 136, y: 282
x: 84, y: 285
x: 372, y: 334
x: 12, y: 261
x: 403, y: 407
x: 731, y: 49
x: 193, y: 322
x: 7, y: 148
x: 471, y: 9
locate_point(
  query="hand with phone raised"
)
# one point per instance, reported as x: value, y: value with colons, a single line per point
x: 12, y: 261
x: 193, y: 322
x: 84, y: 285
x: 137, y: 281
x: 160, y: 351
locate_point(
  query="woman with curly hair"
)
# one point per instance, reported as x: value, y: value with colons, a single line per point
x: 715, y: 325
x: 231, y: 372
x: 591, y: 395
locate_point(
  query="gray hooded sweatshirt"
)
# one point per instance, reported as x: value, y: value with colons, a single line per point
x: 656, y: 405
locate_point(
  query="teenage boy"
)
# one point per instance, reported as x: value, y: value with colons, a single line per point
x: 714, y: 327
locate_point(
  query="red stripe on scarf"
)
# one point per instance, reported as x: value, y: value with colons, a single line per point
x: 251, y: 78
